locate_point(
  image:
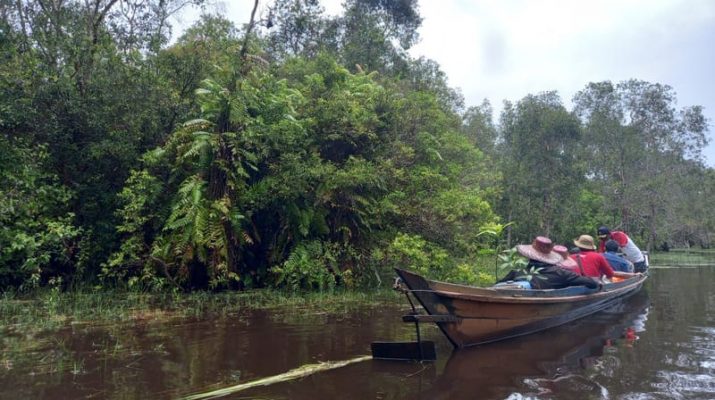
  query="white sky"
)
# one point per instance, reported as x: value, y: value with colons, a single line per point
x: 507, y: 49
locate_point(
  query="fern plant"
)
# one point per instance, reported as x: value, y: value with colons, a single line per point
x: 311, y: 266
x: 199, y: 221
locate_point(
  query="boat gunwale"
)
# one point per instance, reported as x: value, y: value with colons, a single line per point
x: 516, y: 297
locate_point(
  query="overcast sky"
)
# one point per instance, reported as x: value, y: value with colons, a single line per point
x: 506, y: 49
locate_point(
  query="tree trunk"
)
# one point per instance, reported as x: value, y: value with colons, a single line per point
x: 508, y: 230
x: 652, y: 234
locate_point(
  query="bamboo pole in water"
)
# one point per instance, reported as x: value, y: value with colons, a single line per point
x: 300, y: 372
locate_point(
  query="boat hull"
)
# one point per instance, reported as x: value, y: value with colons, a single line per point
x: 484, y: 315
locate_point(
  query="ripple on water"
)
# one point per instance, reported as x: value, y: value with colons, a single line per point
x: 695, y: 362
x: 679, y: 384
x: 567, y: 386
x: 704, y: 346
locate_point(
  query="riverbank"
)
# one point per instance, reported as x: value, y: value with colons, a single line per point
x: 51, y: 309
x: 683, y: 257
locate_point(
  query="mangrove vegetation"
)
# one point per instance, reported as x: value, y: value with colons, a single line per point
x: 305, y: 151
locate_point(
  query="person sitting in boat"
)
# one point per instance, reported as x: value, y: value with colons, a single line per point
x: 568, y: 262
x: 542, y: 269
x: 590, y: 262
x: 628, y: 247
x: 618, y: 262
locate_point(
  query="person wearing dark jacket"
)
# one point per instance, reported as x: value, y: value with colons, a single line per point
x: 542, y: 269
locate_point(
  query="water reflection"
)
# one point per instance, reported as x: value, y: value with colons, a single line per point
x: 549, y: 362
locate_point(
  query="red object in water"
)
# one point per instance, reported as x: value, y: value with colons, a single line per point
x: 631, y: 334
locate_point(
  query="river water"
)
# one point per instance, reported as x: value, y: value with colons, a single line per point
x: 658, y: 344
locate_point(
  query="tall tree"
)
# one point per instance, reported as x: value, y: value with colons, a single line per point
x: 479, y: 126
x: 295, y: 27
x: 640, y: 144
x: 538, y: 155
x: 88, y: 89
x: 372, y: 35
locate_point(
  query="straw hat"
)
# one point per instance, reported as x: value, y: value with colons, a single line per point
x: 585, y: 242
x: 541, y: 249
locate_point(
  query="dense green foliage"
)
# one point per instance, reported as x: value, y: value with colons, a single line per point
x: 38, y: 236
x: 305, y: 151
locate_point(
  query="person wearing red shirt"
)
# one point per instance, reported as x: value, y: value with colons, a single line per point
x: 627, y: 246
x: 592, y: 264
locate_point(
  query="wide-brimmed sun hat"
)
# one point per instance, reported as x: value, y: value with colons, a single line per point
x: 541, y: 249
x: 585, y: 242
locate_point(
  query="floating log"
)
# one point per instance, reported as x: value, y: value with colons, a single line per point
x: 300, y: 372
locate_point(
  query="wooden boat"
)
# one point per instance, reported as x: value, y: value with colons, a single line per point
x: 470, y: 316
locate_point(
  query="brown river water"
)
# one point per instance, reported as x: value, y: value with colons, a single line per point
x: 658, y: 344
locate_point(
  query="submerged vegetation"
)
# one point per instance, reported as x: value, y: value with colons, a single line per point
x: 50, y: 310
x: 57, y: 335
x: 304, y: 152
x: 683, y: 257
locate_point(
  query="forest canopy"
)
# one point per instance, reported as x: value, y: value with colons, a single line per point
x: 305, y: 151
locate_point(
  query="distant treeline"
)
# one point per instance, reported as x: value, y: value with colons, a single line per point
x: 305, y: 151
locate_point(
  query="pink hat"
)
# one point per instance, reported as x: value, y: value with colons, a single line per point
x: 541, y: 249
x: 561, y: 250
